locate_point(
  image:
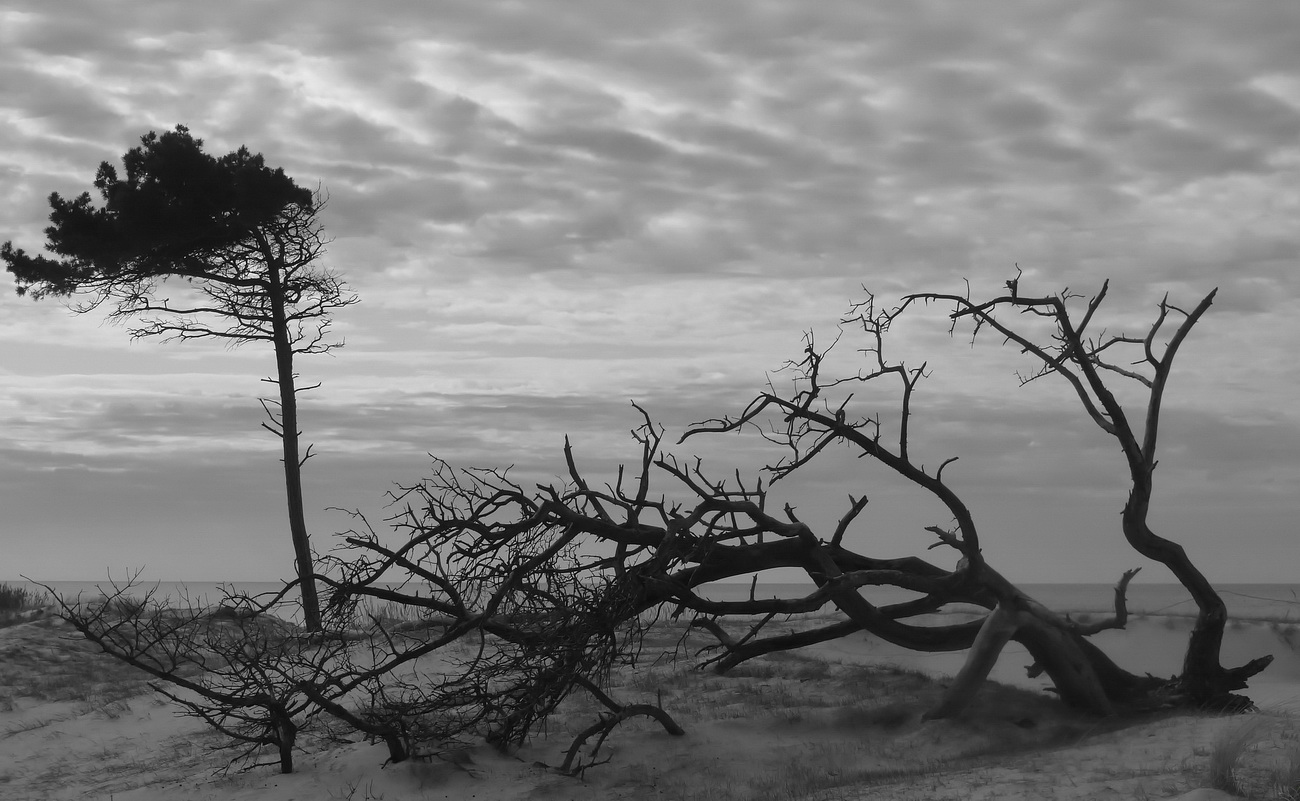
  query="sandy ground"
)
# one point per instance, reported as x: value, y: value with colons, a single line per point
x: 833, y: 723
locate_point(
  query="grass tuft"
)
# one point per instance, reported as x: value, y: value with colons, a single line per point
x: 1226, y: 752
x: 19, y: 599
x: 17, y: 604
x: 1285, y: 778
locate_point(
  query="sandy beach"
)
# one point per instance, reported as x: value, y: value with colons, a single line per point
x: 835, y: 722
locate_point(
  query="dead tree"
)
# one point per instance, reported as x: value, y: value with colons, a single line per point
x: 646, y: 550
x: 520, y: 621
x: 253, y: 677
x: 1084, y: 359
x: 516, y: 626
x: 259, y: 680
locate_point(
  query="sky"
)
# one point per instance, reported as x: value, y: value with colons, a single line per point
x: 552, y: 209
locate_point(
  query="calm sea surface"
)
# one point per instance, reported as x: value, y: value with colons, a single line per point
x: 1245, y: 601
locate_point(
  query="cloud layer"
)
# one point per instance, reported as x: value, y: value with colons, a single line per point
x: 549, y: 209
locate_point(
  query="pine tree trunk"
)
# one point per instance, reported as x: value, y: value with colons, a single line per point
x: 292, y: 460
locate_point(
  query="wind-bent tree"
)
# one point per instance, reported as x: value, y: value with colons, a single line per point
x: 643, y: 547
x: 189, y: 246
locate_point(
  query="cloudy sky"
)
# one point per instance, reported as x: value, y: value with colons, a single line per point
x: 550, y: 209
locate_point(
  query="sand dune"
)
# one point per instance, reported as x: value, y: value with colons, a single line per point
x: 828, y: 723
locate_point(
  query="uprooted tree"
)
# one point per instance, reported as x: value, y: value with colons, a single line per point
x: 643, y: 550
x: 191, y: 246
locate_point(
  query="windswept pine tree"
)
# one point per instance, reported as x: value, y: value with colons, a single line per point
x: 187, y: 245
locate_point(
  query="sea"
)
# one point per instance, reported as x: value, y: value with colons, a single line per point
x: 1266, y: 602
x: 1259, y: 602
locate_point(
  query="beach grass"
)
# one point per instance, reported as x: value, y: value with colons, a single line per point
x: 1285, y: 776
x: 18, y: 603
x: 1222, y: 771
x: 16, y: 599
x: 1256, y: 756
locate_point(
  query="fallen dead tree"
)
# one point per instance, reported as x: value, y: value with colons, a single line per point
x: 638, y: 550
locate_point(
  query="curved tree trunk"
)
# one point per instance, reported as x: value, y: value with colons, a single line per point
x: 1204, y: 680
x: 1083, y: 676
x: 1000, y: 625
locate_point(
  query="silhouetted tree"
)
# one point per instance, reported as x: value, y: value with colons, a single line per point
x: 532, y: 593
x: 236, y: 666
x: 513, y: 630
x: 643, y: 547
x: 189, y: 246
x: 1092, y: 363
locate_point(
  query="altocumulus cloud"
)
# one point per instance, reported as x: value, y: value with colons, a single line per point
x: 551, y: 208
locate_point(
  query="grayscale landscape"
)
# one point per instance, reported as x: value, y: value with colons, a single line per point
x: 614, y: 400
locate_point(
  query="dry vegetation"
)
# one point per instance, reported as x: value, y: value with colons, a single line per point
x: 786, y: 726
x: 18, y: 604
x: 1255, y: 757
